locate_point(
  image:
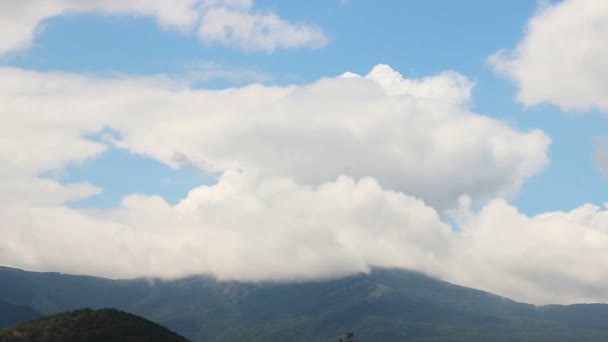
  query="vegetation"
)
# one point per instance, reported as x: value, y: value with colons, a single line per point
x: 386, y: 305
x: 90, y: 326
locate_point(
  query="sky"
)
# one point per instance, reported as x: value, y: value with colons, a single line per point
x: 291, y: 141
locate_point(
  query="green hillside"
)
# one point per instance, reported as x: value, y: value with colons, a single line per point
x: 90, y: 326
x: 386, y: 305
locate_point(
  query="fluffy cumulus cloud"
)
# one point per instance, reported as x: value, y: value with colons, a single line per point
x: 554, y: 257
x: 317, y: 181
x: 231, y: 22
x: 449, y: 86
x: 248, y: 228
x: 243, y: 228
x: 409, y: 135
x: 562, y: 59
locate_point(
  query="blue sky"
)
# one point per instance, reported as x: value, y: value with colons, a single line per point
x: 418, y: 38
x: 175, y: 137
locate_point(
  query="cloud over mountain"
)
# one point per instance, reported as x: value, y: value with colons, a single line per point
x: 318, y: 180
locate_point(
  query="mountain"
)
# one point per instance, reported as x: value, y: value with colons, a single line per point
x: 11, y: 314
x: 385, y: 305
x: 91, y: 326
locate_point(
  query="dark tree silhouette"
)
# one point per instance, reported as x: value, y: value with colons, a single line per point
x: 350, y: 337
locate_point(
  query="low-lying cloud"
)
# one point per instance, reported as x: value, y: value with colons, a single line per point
x: 251, y: 229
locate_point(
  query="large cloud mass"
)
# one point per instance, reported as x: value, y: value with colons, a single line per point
x: 241, y: 228
x: 413, y: 136
x: 317, y: 181
x: 249, y: 228
x: 562, y: 59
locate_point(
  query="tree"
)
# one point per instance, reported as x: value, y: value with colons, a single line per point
x: 350, y: 337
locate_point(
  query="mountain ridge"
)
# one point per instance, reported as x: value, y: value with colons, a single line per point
x: 387, y: 304
x: 90, y: 325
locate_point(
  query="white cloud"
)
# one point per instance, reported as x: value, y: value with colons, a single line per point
x: 254, y: 31
x: 361, y: 127
x: 251, y: 228
x: 555, y: 257
x: 241, y: 228
x: 563, y: 57
x: 449, y: 86
x: 257, y: 31
x: 337, y: 175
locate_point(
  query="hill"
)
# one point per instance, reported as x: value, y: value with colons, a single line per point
x: 11, y: 314
x: 90, y: 326
x: 386, y: 305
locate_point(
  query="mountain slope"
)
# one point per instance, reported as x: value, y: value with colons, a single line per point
x: 11, y: 314
x: 90, y: 325
x: 386, y: 305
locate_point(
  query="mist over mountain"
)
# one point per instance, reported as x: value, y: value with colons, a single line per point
x: 385, y: 305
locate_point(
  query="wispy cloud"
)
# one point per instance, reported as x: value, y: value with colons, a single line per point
x: 228, y: 22
x: 205, y: 71
x: 600, y: 155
